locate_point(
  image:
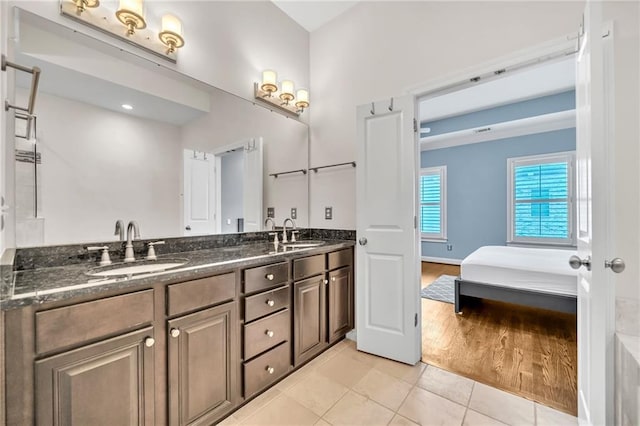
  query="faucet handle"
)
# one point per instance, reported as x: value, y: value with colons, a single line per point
x: 151, y: 254
x: 293, y: 235
x: 104, y: 258
x: 275, y: 237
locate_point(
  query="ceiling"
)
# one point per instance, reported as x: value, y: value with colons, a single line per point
x: 531, y: 82
x: 313, y: 14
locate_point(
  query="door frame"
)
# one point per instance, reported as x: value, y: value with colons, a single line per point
x: 560, y: 47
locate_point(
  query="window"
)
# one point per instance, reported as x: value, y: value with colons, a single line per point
x: 540, y: 198
x: 433, y: 214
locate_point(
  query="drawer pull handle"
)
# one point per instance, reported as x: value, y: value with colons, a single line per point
x: 270, y: 370
x: 149, y: 342
x: 270, y: 277
x: 271, y: 302
x: 174, y: 332
x: 333, y: 278
x: 269, y: 333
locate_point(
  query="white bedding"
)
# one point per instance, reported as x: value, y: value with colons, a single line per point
x: 543, y: 270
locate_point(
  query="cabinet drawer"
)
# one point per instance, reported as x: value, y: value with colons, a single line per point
x: 266, y: 369
x: 62, y: 327
x: 340, y: 258
x: 192, y: 295
x: 256, y: 279
x: 266, y: 333
x: 308, y: 266
x: 265, y: 303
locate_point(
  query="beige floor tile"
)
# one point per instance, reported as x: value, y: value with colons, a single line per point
x: 408, y: 373
x: 363, y: 357
x: 427, y: 408
x: 293, y: 379
x: 322, y: 423
x: 473, y: 418
x: 546, y: 416
x: 354, y: 410
x: 401, y: 421
x: 451, y: 386
x: 383, y: 389
x: 344, y: 369
x: 229, y: 421
x: 282, y: 411
x: 316, y: 392
x: 257, y: 403
x: 501, y: 405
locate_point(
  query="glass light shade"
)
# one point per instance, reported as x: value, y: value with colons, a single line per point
x: 171, y: 24
x: 302, y: 98
x: 286, y: 90
x: 269, y: 81
x: 134, y: 6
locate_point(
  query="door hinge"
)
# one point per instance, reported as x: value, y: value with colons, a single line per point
x: 415, y: 222
x: 415, y: 320
x: 415, y: 126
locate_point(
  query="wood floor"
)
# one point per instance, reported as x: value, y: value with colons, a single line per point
x: 528, y: 352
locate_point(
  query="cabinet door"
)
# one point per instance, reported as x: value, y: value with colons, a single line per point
x: 340, y: 303
x: 309, y: 318
x: 203, y: 364
x: 106, y: 383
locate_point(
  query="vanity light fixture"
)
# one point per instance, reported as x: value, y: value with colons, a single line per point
x: 281, y: 95
x: 82, y: 5
x: 131, y: 14
x: 163, y: 40
x: 171, y: 34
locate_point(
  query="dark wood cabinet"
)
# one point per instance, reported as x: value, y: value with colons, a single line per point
x: 309, y: 324
x: 203, y: 361
x: 340, y: 303
x: 106, y: 383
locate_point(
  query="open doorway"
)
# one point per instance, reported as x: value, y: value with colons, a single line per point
x: 497, y: 198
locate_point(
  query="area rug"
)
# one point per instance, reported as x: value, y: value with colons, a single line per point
x: 442, y: 289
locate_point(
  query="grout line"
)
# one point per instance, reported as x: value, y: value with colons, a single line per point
x: 473, y: 387
x: 466, y: 410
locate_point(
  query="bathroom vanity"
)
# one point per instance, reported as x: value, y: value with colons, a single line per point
x: 185, y: 346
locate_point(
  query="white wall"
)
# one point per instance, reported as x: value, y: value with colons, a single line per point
x: 108, y: 166
x: 380, y: 49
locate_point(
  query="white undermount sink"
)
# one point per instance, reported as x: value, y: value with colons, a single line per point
x: 303, y: 244
x: 136, y: 268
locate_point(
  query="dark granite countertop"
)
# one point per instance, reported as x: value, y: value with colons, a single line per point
x: 56, y: 283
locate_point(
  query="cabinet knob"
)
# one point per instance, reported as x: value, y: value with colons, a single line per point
x: 326, y: 281
x: 149, y: 342
x: 270, y: 370
x: 333, y: 278
x: 269, y: 277
x: 269, y: 333
x: 271, y: 302
x: 174, y: 332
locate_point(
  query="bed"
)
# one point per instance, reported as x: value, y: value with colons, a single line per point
x: 536, y: 277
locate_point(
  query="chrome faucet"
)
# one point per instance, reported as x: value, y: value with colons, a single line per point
x: 273, y: 223
x: 128, y: 251
x: 119, y: 229
x: 284, y: 230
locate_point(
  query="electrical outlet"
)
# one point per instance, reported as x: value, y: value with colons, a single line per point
x: 449, y: 247
x: 328, y: 213
x: 271, y: 212
x: 229, y: 221
x: 294, y: 213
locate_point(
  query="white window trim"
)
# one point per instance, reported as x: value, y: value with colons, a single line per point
x: 556, y: 157
x: 442, y: 236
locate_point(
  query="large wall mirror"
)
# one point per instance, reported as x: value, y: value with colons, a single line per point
x: 117, y: 138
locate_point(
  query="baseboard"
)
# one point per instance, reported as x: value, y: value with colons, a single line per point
x: 442, y: 260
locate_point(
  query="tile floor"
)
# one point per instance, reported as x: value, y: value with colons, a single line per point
x: 346, y: 387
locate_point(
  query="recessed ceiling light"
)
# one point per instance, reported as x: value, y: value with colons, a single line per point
x: 127, y: 106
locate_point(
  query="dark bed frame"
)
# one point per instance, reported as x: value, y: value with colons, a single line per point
x: 553, y: 302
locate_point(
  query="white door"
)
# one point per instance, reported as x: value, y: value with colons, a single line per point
x: 199, y: 193
x: 388, y: 271
x: 595, y: 293
x: 252, y: 186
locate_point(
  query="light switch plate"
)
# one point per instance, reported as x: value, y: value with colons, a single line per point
x: 294, y: 213
x: 271, y: 212
x: 328, y: 213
